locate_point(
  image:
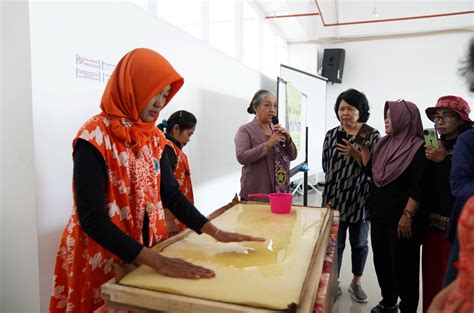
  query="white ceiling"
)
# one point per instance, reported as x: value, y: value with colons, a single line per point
x: 353, y: 19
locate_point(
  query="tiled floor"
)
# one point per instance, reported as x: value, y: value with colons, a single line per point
x: 344, y: 303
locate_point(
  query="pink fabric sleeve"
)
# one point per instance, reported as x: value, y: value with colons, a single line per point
x: 246, y: 154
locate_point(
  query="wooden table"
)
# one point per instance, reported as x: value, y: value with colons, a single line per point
x: 142, y: 300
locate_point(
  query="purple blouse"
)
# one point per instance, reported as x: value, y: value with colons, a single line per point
x: 258, y: 171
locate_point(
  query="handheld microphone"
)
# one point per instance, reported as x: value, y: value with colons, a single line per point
x: 274, y: 122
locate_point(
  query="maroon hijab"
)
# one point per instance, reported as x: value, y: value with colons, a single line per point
x: 394, y: 153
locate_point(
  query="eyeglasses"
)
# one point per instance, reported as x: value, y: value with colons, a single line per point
x: 445, y: 117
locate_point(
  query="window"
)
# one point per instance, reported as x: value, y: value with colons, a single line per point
x: 186, y: 14
x: 141, y: 3
x: 227, y: 25
x: 221, y: 25
x: 270, y: 66
x: 252, y: 45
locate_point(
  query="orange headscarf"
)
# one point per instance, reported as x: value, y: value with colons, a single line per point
x: 139, y: 76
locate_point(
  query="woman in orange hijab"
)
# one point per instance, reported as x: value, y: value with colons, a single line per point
x: 121, y: 182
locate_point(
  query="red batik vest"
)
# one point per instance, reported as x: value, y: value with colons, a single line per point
x: 183, y: 176
x: 133, y: 190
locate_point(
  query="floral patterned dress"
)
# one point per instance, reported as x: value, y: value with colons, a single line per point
x: 461, y: 297
x: 82, y: 265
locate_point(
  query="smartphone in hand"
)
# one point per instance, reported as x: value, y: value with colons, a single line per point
x: 431, y: 137
x: 340, y: 135
x: 363, y: 135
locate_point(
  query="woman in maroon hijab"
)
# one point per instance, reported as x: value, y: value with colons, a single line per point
x: 397, y: 169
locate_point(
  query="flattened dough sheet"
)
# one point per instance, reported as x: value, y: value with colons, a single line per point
x: 268, y: 274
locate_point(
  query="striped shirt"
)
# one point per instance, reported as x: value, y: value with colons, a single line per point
x: 347, y: 186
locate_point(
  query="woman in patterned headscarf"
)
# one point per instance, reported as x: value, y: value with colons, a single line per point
x: 397, y: 223
x: 122, y: 180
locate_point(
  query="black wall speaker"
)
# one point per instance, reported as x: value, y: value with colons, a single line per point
x: 333, y: 64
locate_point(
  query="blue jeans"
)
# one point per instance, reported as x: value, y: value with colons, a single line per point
x: 358, y: 234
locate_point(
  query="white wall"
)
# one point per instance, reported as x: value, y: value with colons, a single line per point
x: 217, y: 89
x: 420, y: 69
x: 303, y: 57
x: 19, y: 286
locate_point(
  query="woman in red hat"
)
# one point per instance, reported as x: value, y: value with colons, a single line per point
x: 451, y: 118
x: 458, y: 295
